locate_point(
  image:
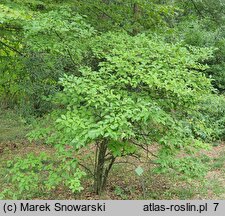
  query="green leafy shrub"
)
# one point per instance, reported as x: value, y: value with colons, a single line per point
x: 212, y: 112
x: 34, y: 174
x: 142, y: 92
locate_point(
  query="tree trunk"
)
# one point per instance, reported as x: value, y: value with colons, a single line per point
x: 102, y: 167
x: 136, y: 14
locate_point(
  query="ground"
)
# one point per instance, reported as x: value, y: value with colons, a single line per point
x: 123, y: 181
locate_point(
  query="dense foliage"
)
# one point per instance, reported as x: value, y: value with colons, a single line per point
x: 119, y: 75
x: 34, y: 174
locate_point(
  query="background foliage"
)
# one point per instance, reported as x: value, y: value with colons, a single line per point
x: 122, y: 75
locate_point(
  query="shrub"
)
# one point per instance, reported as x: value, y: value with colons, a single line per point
x: 142, y: 92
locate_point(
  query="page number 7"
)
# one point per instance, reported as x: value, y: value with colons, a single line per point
x: 216, y: 205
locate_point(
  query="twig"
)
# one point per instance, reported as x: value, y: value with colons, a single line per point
x: 86, y: 168
x: 141, y: 146
x: 11, y: 48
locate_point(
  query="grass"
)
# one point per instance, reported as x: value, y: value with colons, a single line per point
x: 219, y: 163
x: 123, y: 181
x: 12, y: 126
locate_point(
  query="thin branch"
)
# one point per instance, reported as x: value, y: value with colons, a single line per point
x: 67, y: 48
x: 86, y: 168
x: 11, y: 48
x: 141, y: 146
x: 196, y: 8
x: 115, y: 21
x: 126, y: 162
